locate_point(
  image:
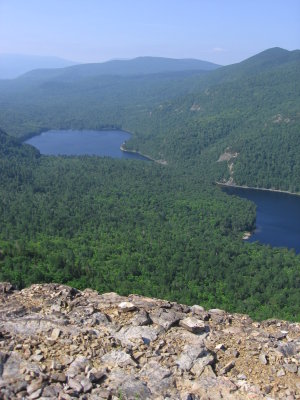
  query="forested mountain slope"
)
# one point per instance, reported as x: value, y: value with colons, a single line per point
x: 251, y: 107
x: 253, y: 114
x: 163, y: 231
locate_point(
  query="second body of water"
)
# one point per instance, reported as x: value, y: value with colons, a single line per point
x: 277, y: 217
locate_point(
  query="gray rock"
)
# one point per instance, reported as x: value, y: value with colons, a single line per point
x: 133, y: 389
x: 168, y: 363
x: 77, y: 366
x: 3, y: 358
x: 263, y: 359
x: 34, y: 386
x: 217, y: 316
x: 197, y: 309
x: 133, y: 333
x: 52, y: 391
x: 206, y: 358
x: 145, y: 303
x: 100, y: 394
x: 128, y: 387
x: 75, y: 384
x: 117, y: 357
x: 215, y: 388
x: 55, y: 333
x: 216, y: 311
x: 100, y: 318
x: 281, y: 373
x: 86, y: 385
x: 59, y: 377
x: 288, y: 349
x: 11, y: 366
x: 193, y: 325
x: 33, y: 324
x: 96, y: 376
x: 228, y: 367
x: 141, y: 319
x: 35, y: 395
x: 158, y: 378
x: 166, y: 318
x: 126, y: 306
x: 291, y: 368
x: 279, y: 335
x: 189, y: 355
x: 20, y: 386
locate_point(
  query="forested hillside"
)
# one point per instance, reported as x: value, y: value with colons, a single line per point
x: 251, y: 107
x: 161, y: 230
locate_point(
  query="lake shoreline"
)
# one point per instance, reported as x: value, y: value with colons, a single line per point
x: 29, y: 136
x: 122, y: 148
x: 277, y: 215
x: 256, y: 188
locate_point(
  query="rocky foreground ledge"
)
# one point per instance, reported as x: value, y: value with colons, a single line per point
x: 60, y: 343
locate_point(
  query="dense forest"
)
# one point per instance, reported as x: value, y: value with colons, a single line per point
x: 160, y: 230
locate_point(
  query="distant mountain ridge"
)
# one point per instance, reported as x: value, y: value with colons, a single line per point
x: 136, y: 66
x: 14, y: 65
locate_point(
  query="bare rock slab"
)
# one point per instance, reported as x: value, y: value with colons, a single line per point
x: 193, y: 325
x: 117, y: 357
x: 165, y: 318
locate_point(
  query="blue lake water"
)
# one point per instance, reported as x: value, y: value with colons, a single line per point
x: 75, y: 143
x: 277, y: 217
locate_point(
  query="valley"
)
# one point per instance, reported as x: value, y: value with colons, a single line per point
x: 165, y: 231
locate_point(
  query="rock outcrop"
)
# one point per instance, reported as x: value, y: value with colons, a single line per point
x: 57, y: 342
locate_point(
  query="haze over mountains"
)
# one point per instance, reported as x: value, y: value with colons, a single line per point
x: 14, y: 65
x: 136, y: 66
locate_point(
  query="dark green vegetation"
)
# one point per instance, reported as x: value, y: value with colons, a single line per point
x: 164, y: 231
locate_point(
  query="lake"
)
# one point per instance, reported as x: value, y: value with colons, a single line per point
x: 75, y: 143
x: 277, y: 217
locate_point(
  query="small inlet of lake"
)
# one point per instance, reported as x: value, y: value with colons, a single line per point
x: 277, y: 217
x: 104, y: 143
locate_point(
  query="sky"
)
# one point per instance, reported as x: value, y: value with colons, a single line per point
x: 221, y: 31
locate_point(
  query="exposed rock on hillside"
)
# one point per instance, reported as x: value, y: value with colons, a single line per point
x: 58, y: 342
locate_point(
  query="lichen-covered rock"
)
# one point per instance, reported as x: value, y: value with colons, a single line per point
x: 60, y: 343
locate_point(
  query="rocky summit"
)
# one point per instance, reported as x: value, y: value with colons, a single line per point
x: 57, y: 342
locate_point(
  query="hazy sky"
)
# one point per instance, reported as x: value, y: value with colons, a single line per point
x: 222, y: 31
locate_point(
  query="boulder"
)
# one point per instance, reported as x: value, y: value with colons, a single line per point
x: 193, y: 325
x: 126, y: 306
